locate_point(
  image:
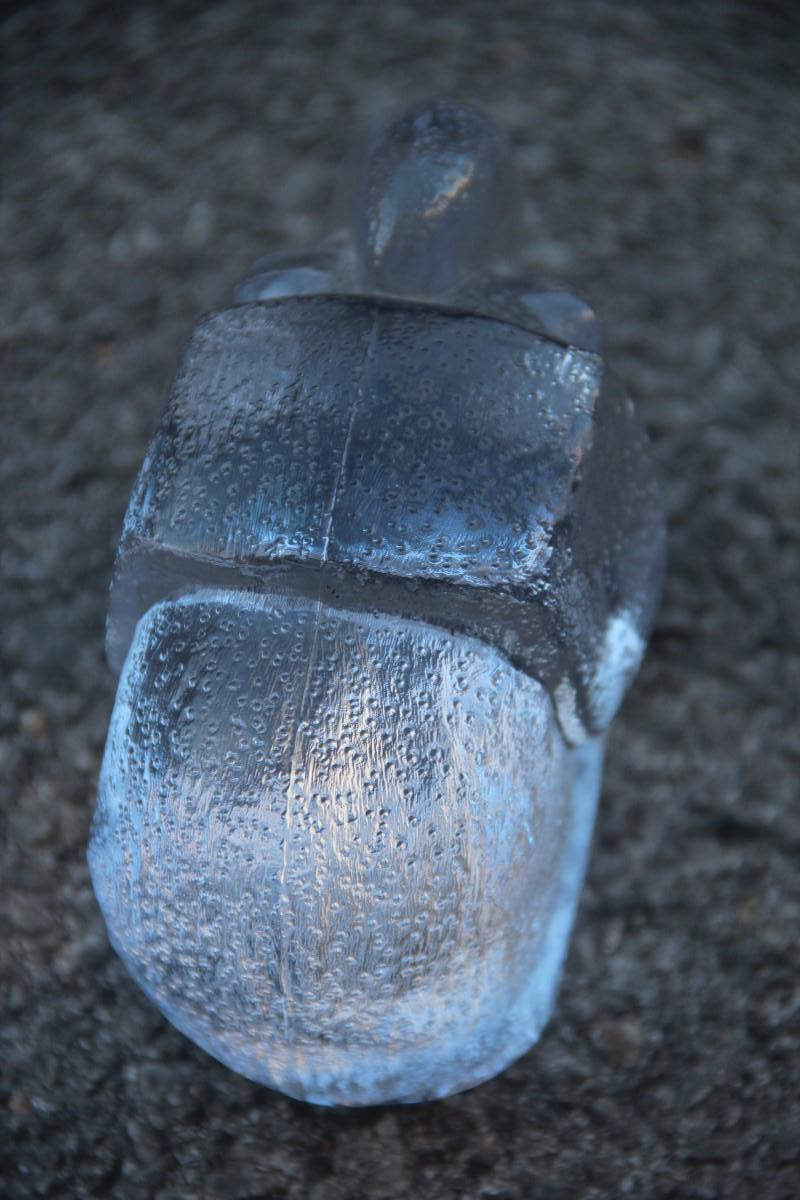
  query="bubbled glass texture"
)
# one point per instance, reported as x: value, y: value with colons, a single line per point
x: 387, y: 570
x: 397, y: 458
x: 341, y: 851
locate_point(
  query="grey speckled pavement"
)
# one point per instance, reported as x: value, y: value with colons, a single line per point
x: 148, y: 160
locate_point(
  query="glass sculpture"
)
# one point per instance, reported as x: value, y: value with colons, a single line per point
x: 387, y: 571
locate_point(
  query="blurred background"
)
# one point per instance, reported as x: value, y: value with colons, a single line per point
x: 150, y: 154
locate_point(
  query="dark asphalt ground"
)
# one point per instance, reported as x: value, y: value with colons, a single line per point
x: 149, y: 155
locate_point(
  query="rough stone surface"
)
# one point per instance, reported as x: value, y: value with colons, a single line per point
x: 149, y: 158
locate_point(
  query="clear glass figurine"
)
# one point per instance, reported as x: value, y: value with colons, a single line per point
x: 387, y: 571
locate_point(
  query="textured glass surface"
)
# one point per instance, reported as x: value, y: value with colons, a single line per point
x: 341, y: 852
x: 387, y: 570
x: 392, y: 457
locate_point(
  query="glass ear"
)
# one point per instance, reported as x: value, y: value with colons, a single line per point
x: 565, y: 317
x: 311, y: 272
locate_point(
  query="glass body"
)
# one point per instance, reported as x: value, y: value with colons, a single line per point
x: 386, y: 573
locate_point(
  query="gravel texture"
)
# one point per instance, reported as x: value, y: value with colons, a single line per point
x: 150, y: 155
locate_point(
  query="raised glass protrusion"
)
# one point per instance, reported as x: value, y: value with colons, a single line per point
x: 434, y: 203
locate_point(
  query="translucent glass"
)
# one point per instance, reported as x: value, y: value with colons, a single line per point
x: 386, y: 573
x: 342, y: 852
